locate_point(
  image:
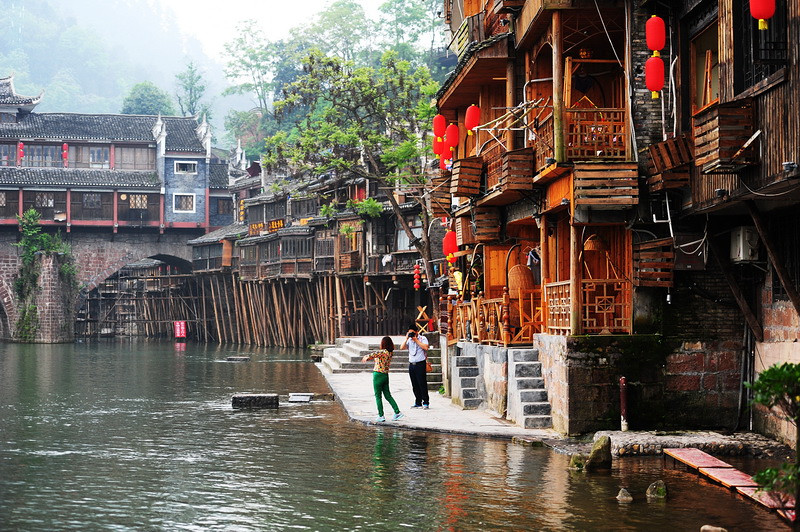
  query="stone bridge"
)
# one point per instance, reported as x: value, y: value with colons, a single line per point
x: 98, y: 255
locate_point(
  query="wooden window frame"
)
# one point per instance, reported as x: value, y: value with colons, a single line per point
x: 175, y: 201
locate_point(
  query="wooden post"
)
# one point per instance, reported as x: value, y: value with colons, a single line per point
x: 506, y: 317
x: 772, y: 253
x: 558, y: 88
x: 510, y: 100
x: 574, y: 279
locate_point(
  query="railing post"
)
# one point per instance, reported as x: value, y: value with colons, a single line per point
x: 505, y: 317
x: 623, y: 403
x: 481, y: 318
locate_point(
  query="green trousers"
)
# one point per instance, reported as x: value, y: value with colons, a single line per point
x: 380, y: 382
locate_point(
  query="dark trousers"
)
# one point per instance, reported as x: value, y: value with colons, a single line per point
x: 419, y: 382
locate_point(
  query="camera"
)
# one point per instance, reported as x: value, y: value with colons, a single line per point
x: 412, y: 334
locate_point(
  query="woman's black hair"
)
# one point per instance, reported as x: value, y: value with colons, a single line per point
x: 387, y: 343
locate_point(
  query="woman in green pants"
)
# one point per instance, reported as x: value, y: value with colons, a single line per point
x: 380, y: 378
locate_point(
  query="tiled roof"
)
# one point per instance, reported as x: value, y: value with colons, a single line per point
x: 295, y: 230
x: 9, y: 97
x: 229, y: 231
x: 12, y: 175
x: 472, y: 48
x: 64, y: 127
x: 218, y: 176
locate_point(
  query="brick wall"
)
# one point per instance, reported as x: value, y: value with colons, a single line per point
x: 54, y: 311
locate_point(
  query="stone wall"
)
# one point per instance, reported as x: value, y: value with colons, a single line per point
x: 671, y: 383
x: 492, y: 381
x: 54, y: 308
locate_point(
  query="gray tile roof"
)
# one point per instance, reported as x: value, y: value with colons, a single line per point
x: 218, y: 176
x: 66, y: 127
x: 12, y: 175
x: 233, y: 231
x: 8, y: 95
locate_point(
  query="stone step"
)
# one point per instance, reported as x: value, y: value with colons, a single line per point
x: 533, y: 396
x: 528, y: 369
x: 536, y: 409
x: 469, y: 382
x: 469, y: 393
x: 538, y: 422
x: 464, y: 361
x: 467, y: 372
x: 471, y: 404
x: 532, y: 383
x: 524, y: 355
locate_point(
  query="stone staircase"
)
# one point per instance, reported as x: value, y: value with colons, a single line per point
x: 466, y: 377
x: 346, y: 357
x: 534, y: 407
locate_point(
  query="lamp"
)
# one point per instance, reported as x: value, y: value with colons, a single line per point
x: 538, y: 219
x: 789, y: 166
x: 564, y: 201
x: 720, y: 192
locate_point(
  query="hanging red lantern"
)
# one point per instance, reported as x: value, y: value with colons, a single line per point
x: 450, y: 246
x: 65, y: 154
x: 442, y: 163
x: 451, y: 137
x: 656, y: 34
x: 20, y: 152
x: 473, y: 118
x: 654, y: 75
x: 439, y: 126
x: 762, y: 10
x: 438, y: 145
x: 416, y: 277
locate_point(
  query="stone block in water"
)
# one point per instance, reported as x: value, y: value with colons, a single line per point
x: 238, y: 359
x: 300, y: 397
x: 255, y: 400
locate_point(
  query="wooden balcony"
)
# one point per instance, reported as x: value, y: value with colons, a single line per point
x: 402, y: 262
x: 486, y: 224
x: 595, y: 134
x: 505, y: 6
x: 721, y: 132
x: 508, y: 177
x: 668, y: 164
x: 606, y: 306
x: 606, y: 185
x: 440, y: 194
x: 653, y: 263
x: 349, y: 262
x: 466, y: 177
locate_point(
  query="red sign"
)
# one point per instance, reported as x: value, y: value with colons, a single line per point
x: 274, y: 225
x: 180, y: 329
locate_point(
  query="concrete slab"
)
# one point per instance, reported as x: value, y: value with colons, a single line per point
x: 354, y: 392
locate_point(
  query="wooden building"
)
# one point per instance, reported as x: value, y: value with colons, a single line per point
x: 591, y: 216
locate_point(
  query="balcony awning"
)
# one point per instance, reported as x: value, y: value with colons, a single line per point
x: 483, y: 64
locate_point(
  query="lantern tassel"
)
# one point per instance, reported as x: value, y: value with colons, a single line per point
x: 654, y: 94
x: 656, y: 53
x: 763, y: 24
x: 469, y: 132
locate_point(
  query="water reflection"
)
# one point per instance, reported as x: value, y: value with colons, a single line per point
x: 142, y: 436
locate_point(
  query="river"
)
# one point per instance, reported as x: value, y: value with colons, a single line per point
x: 137, y: 435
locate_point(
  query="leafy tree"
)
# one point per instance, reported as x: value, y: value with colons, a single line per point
x: 190, y: 91
x: 365, y: 121
x: 343, y: 30
x: 147, y: 99
x: 778, y: 388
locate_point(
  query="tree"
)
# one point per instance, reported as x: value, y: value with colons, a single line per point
x: 190, y: 91
x: 147, y: 99
x: 778, y: 388
x: 365, y: 121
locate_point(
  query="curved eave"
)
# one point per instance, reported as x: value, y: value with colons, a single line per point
x: 487, y: 66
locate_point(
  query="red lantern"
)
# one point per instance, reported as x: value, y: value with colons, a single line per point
x: 439, y: 125
x: 442, y: 163
x: 450, y: 246
x: 20, y: 152
x: 438, y: 145
x: 451, y: 137
x: 654, y: 75
x: 762, y: 10
x: 65, y: 153
x: 656, y: 34
x: 473, y: 118
x: 416, y: 277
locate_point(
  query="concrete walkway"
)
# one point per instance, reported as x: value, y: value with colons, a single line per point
x: 354, y: 392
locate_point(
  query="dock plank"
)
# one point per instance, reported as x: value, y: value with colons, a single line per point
x: 695, y: 458
x: 764, y: 498
x: 729, y: 477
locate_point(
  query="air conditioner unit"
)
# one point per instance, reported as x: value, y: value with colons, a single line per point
x: 744, y: 244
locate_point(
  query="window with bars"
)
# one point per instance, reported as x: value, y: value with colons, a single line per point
x: 224, y: 206
x: 2, y: 199
x: 39, y: 155
x: 138, y: 201
x: 185, y: 167
x: 758, y: 54
x: 91, y: 200
x: 183, y: 203
x: 44, y: 200
x: 8, y: 154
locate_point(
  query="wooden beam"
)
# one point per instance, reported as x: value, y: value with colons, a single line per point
x: 749, y: 316
x: 575, y: 279
x: 774, y: 258
x: 558, y: 89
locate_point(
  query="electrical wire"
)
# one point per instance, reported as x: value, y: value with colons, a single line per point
x: 763, y: 194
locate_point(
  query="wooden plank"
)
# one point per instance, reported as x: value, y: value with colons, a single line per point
x: 695, y: 458
x: 770, y: 500
x: 728, y: 477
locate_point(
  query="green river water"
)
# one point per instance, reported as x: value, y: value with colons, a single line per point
x: 141, y: 436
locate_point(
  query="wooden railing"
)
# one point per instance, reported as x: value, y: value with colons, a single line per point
x: 595, y: 134
x: 557, y: 303
x: 498, y: 321
x: 606, y: 306
x: 544, y: 143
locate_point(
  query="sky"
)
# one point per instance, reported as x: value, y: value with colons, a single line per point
x: 213, y: 28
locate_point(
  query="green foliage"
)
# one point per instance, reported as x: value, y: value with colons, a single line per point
x: 27, y: 324
x: 368, y: 207
x: 190, y: 91
x: 779, y: 387
x: 328, y: 211
x: 146, y: 99
x: 783, y: 480
x: 347, y: 230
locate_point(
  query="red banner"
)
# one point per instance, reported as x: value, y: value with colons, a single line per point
x: 180, y: 329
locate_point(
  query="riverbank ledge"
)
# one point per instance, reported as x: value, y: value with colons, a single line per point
x: 651, y: 443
